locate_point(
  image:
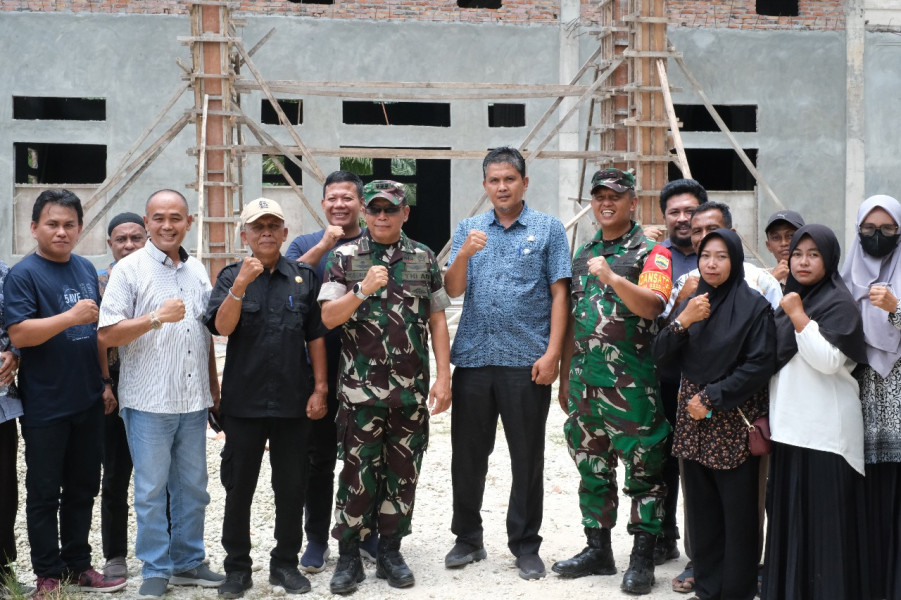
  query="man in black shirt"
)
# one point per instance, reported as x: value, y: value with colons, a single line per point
x: 267, y: 306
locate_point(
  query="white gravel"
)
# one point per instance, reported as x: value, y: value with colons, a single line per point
x: 424, y: 549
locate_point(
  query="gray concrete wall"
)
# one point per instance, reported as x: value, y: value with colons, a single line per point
x: 130, y: 61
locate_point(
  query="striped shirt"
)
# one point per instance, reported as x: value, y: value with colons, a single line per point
x: 165, y: 370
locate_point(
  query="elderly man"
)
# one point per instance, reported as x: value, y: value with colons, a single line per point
x: 153, y: 311
x: 125, y: 234
x: 342, y: 201
x: 513, y: 263
x: 608, y: 385
x: 266, y: 305
x: 386, y: 293
x: 51, y: 313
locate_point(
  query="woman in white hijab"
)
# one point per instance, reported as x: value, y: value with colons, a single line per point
x: 872, y: 273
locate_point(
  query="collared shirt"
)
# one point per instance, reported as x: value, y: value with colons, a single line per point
x: 385, y: 343
x: 112, y: 354
x: 682, y: 263
x: 267, y: 373
x: 506, y: 318
x: 165, y: 370
x: 613, y: 344
x: 759, y: 279
x: 10, y: 404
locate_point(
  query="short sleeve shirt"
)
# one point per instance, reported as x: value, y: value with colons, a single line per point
x: 613, y: 344
x: 60, y: 377
x: 758, y: 279
x: 384, y: 344
x: 506, y: 319
x: 165, y: 370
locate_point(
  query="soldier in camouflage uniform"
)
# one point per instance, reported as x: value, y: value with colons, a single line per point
x: 621, y: 282
x: 386, y: 292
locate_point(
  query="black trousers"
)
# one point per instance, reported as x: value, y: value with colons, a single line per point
x: 242, y: 455
x: 62, y: 480
x: 724, y: 529
x: 669, y: 396
x: 9, y: 493
x: 480, y: 395
x: 323, y: 453
x: 117, y: 468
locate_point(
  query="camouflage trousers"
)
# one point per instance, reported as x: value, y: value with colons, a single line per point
x: 606, y: 424
x: 382, y: 451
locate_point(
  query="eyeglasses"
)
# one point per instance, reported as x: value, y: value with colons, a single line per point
x: 868, y: 230
x: 375, y: 211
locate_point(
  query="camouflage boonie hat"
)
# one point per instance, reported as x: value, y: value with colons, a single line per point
x: 616, y: 180
x: 391, y: 191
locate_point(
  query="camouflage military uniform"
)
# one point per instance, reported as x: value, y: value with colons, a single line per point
x: 384, y: 382
x: 613, y: 397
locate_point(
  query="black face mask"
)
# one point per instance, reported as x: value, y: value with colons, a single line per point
x: 879, y: 244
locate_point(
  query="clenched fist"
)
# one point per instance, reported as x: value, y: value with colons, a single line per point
x: 171, y: 311
x: 84, y: 312
x: 375, y: 279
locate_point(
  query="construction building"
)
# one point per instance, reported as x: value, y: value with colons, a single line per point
x: 107, y: 98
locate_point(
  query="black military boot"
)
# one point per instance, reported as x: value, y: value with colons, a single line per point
x: 639, y: 577
x: 349, y: 571
x: 390, y: 565
x: 595, y: 559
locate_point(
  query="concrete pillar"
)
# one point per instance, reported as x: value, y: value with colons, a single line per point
x: 855, y: 159
x: 568, y: 170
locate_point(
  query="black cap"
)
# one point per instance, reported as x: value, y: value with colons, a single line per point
x: 789, y: 216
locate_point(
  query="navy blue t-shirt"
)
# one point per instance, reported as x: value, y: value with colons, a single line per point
x: 304, y: 243
x: 60, y: 377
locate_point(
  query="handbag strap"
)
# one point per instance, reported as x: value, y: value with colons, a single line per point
x: 744, y: 418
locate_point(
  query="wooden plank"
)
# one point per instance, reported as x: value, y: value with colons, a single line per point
x: 282, y: 117
x: 396, y: 96
x: 682, y: 161
x: 261, y: 135
x: 271, y: 148
x: 111, y: 180
x: 303, y: 86
x: 722, y: 125
x: 201, y: 176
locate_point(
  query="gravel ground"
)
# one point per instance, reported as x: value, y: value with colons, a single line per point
x: 425, y: 548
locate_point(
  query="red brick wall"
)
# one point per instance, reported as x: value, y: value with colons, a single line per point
x: 742, y: 14
x: 511, y: 11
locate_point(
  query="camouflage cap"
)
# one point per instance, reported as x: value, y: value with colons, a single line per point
x: 616, y: 180
x: 391, y: 191
x: 259, y: 207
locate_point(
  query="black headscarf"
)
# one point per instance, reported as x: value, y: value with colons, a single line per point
x: 828, y: 302
x: 715, y: 344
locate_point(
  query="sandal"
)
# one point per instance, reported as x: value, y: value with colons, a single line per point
x: 684, y: 582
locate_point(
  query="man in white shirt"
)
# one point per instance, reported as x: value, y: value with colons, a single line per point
x: 153, y: 309
x: 708, y: 217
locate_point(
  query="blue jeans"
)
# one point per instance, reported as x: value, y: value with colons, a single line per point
x: 168, y: 451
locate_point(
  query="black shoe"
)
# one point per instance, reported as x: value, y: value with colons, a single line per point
x: 235, y: 584
x: 639, y: 577
x: 666, y: 549
x: 349, y: 570
x: 530, y: 566
x: 595, y: 559
x: 390, y: 565
x: 290, y: 579
x: 463, y: 553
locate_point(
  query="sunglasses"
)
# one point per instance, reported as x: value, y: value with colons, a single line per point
x: 375, y: 211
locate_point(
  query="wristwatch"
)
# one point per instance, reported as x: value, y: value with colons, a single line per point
x: 678, y: 326
x: 107, y: 381
x: 358, y: 291
x: 155, y: 322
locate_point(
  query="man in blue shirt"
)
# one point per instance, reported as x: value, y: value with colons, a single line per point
x: 342, y: 201
x: 51, y: 314
x: 506, y: 259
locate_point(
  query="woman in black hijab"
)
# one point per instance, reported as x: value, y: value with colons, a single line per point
x: 723, y: 340
x: 816, y: 538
